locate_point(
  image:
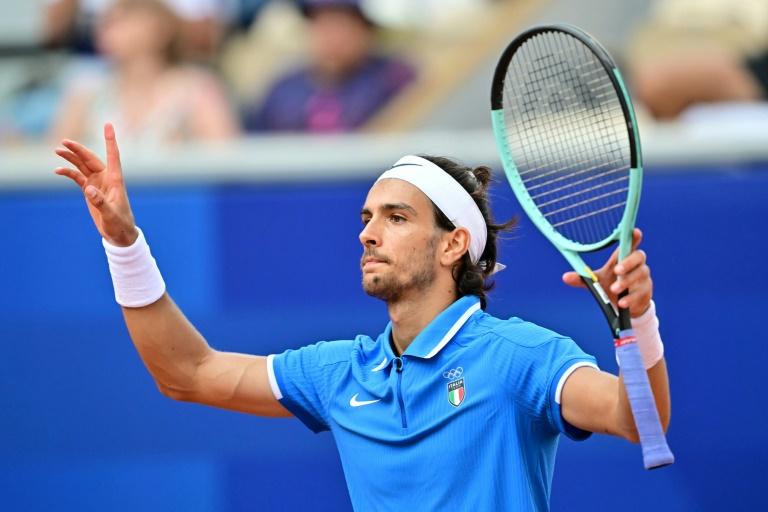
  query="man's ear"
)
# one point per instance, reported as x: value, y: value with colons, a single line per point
x: 455, y: 244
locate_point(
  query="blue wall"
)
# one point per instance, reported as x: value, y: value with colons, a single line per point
x: 263, y: 268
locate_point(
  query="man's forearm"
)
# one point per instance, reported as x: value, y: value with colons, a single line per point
x: 177, y: 356
x: 170, y: 346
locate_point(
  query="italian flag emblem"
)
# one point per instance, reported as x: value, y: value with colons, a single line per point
x: 456, y: 392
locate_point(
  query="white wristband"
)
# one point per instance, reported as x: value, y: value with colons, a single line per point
x: 135, y: 276
x: 646, y: 328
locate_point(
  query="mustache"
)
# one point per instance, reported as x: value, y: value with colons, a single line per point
x: 370, y: 253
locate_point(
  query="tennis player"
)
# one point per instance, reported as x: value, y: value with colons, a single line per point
x: 449, y: 408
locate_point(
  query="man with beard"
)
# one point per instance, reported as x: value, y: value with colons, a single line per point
x: 449, y: 407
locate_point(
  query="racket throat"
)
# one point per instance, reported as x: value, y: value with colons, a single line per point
x: 609, y: 310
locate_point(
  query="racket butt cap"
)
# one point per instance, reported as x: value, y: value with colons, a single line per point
x: 656, y: 458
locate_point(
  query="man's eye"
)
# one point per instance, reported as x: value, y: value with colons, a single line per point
x: 397, y: 219
x: 366, y: 221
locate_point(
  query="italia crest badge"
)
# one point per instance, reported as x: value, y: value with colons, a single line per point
x: 456, y: 390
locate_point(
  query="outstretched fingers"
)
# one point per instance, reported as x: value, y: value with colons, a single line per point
x: 113, y: 152
x: 72, y: 174
x: 90, y: 161
x: 75, y: 160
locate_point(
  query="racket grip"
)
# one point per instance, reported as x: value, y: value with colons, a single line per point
x: 656, y: 452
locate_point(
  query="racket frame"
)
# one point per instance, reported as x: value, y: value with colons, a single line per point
x: 656, y: 453
x: 623, y: 232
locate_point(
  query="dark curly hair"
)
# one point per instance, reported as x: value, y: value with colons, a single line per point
x: 472, y: 278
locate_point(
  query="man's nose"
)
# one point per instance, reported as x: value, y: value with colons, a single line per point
x: 369, y: 236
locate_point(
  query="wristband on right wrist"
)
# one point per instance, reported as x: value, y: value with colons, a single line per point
x: 135, y: 275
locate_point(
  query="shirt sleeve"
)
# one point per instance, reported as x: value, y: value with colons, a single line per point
x: 544, y: 368
x: 302, y: 380
x: 555, y: 390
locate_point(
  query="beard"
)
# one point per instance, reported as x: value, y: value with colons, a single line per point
x: 416, y: 274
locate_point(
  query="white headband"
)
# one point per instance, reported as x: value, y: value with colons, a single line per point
x: 447, y: 194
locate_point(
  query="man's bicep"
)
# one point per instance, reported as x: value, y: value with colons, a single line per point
x: 238, y: 382
x: 589, y: 399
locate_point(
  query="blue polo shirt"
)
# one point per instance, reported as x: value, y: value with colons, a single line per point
x: 468, y: 418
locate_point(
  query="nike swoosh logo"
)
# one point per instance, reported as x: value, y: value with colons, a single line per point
x: 355, y: 403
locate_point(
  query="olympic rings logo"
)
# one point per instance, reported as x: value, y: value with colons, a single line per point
x: 453, y: 373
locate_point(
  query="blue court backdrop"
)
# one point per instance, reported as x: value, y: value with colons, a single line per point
x: 260, y: 268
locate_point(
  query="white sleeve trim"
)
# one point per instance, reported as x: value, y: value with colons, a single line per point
x: 272, y: 379
x: 567, y: 373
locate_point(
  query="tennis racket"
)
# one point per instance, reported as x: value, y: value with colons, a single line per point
x: 567, y: 136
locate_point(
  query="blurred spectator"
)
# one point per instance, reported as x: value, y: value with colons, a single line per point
x: 27, y: 73
x: 149, y: 95
x: 344, y: 83
x: 695, y: 52
x: 201, y: 24
x: 669, y: 85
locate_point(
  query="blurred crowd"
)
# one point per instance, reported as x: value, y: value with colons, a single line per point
x: 168, y: 71
x: 702, y: 58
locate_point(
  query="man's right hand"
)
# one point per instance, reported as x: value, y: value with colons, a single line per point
x: 182, y: 363
x: 103, y: 187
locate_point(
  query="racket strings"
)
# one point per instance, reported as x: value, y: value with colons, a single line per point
x: 622, y: 179
x: 577, y: 122
x: 568, y: 135
x: 592, y: 176
x: 586, y: 201
x: 589, y: 214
